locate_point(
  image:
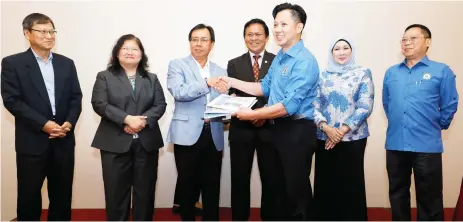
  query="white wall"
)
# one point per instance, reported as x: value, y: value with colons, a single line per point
x: 1, y: 119
x: 87, y: 31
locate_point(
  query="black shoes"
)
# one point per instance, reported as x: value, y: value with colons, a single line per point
x: 198, y: 209
x: 176, y: 209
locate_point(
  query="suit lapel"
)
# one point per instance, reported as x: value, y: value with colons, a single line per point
x: 191, y: 62
x: 212, y: 69
x: 138, y: 84
x: 59, y: 73
x: 126, y: 82
x: 36, y: 76
x: 265, y: 65
x: 248, y: 75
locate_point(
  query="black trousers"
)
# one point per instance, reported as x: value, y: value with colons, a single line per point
x: 177, y: 193
x: 241, y: 160
x: 57, y: 165
x: 295, y: 143
x: 458, y: 213
x: 427, y: 171
x: 339, y: 186
x: 134, y: 170
x: 199, y: 167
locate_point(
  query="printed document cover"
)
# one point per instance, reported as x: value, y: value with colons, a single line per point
x: 225, y: 105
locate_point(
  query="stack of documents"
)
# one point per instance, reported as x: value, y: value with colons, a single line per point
x: 225, y: 105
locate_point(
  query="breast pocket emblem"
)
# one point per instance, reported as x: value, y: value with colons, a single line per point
x: 427, y: 76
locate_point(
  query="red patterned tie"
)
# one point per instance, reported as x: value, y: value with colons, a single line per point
x: 255, y: 67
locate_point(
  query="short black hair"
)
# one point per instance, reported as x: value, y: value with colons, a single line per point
x: 36, y: 18
x: 256, y: 21
x: 426, y: 32
x: 296, y: 10
x: 114, y: 65
x: 202, y: 26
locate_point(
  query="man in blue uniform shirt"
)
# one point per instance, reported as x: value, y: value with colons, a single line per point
x: 290, y: 86
x: 420, y: 99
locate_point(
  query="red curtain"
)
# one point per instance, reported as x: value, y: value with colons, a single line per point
x: 458, y: 214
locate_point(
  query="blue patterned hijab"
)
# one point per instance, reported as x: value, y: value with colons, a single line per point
x: 333, y: 66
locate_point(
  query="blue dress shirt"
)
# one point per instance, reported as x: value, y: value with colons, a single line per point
x: 292, y: 80
x: 48, y: 74
x: 419, y: 103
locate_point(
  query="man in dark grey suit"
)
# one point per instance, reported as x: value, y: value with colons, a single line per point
x: 245, y: 136
x: 41, y: 90
x: 130, y: 101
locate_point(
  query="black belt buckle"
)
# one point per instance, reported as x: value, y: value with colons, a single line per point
x: 287, y: 118
x: 297, y: 116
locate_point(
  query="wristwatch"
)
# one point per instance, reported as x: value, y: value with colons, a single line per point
x: 207, y: 84
x: 321, y: 126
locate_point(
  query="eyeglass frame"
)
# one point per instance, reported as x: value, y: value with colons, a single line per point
x: 45, y: 32
x: 200, y: 40
x: 127, y: 49
x: 412, y: 39
x: 255, y: 34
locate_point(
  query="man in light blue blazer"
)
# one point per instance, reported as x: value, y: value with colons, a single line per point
x: 198, y: 142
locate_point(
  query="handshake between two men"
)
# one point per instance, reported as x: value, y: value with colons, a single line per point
x: 220, y: 84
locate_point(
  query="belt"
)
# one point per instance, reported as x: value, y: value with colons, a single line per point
x: 287, y: 118
x: 206, y: 126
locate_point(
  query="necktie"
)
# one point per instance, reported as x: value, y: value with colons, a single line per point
x: 255, y: 67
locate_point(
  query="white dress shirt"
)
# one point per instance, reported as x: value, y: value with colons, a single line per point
x: 205, y: 72
x: 259, y: 60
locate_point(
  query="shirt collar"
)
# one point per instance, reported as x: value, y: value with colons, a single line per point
x: 50, y: 56
x: 261, y: 54
x: 424, y: 60
x: 293, y: 50
x: 206, y: 67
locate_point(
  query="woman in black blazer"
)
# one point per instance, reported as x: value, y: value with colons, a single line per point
x: 130, y: 101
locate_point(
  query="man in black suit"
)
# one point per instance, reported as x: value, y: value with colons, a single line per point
x: 41, y: 90
x: 245, y: 137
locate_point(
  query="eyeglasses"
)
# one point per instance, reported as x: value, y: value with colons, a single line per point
x: 200, y: 40
x: 411, y: 39
x: 127, y: 49
x: 44, y: 32
x: 250, y: 35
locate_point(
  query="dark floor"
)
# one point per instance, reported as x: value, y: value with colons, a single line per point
x: 165, y: 214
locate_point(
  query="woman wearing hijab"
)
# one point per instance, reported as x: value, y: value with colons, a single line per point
x: 344, y: 102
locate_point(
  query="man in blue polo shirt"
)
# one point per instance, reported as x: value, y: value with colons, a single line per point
x: 290, y: 86
x: 420, y: 99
